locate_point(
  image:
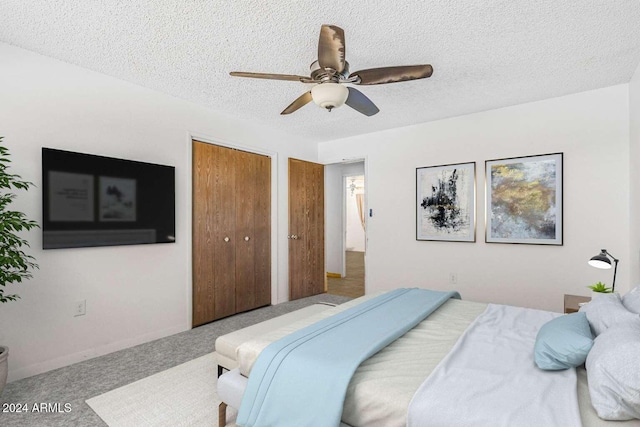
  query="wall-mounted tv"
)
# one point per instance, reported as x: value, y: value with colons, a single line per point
x: 90, y: 200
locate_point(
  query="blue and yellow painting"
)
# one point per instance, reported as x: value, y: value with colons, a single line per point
x: 523, y: 200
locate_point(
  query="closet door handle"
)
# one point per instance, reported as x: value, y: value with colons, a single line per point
x: 246, y: 238
x: 226, y: 239
x: 293, y: 237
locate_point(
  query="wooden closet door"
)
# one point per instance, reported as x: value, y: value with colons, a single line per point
x: 245, y: 236
x: 306, y: 229
x: 214, y: 242
x: 253, y: 231
x: 262, y: 230
x: 231, y: 232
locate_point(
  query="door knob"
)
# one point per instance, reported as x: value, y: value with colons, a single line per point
x: 246, y: 238
x: 293, y: 237
x: 226, y: 239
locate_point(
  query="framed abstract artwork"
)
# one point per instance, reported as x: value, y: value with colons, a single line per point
x: 446, y: 202
x: 524, y: 200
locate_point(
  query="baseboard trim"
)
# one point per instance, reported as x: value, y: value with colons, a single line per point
x: 334, y: 275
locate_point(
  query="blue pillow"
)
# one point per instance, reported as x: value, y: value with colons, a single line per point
x: 563, y: 342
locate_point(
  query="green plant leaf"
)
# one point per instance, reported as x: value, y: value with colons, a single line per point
x: 15, y: 264
x: 600, y: 287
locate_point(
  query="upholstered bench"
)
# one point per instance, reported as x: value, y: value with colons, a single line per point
x: 226, y: 345
x: 230, y: 389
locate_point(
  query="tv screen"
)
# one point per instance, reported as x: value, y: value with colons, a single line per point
x: 93, y: 200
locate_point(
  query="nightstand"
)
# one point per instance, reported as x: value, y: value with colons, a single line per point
x: 571, y: 302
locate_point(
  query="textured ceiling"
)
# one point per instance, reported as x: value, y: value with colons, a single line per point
x: 485, y: 53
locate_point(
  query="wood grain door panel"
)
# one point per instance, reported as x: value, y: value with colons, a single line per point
x: 262, y: 230
x: 203, y: 272
x: 245, y: 231
x: 315, y: 243
x: 306, y: 229
x: 231, y: 232
x: 213, y: 201
x: 224, y: 225
x: 297, y: 199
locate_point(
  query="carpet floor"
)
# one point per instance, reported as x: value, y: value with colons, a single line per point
x: 70, y: 386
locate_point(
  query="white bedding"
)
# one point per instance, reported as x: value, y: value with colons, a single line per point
x: 401, y: 367
x: 382, y: 387
x: 491, y: 369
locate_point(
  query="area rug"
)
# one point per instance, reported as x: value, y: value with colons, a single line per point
x: 184, y: 395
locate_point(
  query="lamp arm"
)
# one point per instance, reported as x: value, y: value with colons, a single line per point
x: 615, y: 270
x: 614, y: 258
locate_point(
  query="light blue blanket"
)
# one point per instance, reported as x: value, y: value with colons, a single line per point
x: 302, y: 379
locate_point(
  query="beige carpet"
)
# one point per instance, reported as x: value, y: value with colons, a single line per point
x: 181, y: 396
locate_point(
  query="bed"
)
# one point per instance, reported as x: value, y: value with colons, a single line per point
x: 382, y: 388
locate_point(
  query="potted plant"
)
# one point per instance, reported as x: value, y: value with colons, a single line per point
x: 15, y: 264
x: 599, y: 289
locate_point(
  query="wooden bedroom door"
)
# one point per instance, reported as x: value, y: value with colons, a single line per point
x: 306, y: 229
x: 231, y: 232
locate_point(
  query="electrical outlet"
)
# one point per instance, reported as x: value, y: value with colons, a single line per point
x: 80, y: 308
x: 453, y: 278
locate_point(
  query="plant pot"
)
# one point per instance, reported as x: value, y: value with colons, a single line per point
x: 595, y: 295
x: 4, y: 367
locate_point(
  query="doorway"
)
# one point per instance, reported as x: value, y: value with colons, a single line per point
x: 345, y: 192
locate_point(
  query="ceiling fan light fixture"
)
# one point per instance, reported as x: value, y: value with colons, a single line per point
x: 330, y: 70
x: 329, y: 95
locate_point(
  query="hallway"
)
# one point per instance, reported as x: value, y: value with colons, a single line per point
x: 353, y: 284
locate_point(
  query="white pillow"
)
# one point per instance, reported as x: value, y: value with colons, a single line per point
x: 613, y: 373
x: 632, y: 300
x: 605, y: 311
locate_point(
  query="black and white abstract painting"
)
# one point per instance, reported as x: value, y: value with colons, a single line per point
x: 117, y: 199
x: 446, y: 202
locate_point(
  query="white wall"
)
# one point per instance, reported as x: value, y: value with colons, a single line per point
x: 334, y: 195
x: 591, y: 128
x: 634, y: 167
x: 133, y: 293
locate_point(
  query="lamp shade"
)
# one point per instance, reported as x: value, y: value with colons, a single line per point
x: 329, y: 94
x: 600, y: 261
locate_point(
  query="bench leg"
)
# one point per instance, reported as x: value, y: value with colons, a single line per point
x: 222, y: 415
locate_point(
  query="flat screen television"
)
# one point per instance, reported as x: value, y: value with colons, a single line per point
x: 90, y: 200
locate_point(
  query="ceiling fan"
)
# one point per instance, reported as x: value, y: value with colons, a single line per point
x: 330, y: 71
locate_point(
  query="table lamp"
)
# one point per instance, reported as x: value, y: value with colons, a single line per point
x: 602, y: 261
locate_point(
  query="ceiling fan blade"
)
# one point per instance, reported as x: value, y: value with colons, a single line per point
x: 359, y: 102
x: 331, y: 49
x: 300, y: 102
x: 374, y: 76
x: 289, y: 77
